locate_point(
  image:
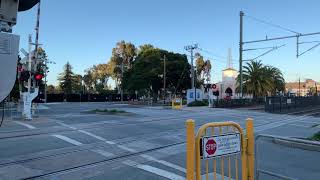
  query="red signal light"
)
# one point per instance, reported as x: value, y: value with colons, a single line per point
x: 38, y: 77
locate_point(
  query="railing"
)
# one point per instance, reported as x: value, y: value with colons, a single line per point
x: 284, y: 158
x: 280, y: 104
x: 222, y: 145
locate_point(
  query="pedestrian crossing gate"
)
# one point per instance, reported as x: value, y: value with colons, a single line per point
x: 220, y: 151
x: 177, y: 103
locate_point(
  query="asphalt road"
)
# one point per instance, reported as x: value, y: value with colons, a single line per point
x: 149, y: 143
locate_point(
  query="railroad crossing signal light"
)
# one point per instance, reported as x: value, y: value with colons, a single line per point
x: 38, y: 76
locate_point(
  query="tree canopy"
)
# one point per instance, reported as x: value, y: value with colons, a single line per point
x: 68, y: 81
x: 261, y: 80
x: 203, y: 69
x: 146, y: 74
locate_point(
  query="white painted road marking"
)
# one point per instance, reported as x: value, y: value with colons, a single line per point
x: 126, y: 148
x: 97, y: 137
x: 174, y: 166
x: 92, y: 135
x: 160, y: 172
x: 87, y: 133
x: 154, y: 170
x: 103, y: 153
x: 69, y: 140
x: 66, y: 125
x: 25, y: 125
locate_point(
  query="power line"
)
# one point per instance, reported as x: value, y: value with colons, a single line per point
x: 213, y: 54
x: 272, y: 24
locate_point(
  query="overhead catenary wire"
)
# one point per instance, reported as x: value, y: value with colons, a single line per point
x: 271, y: 24
x: 214, y: 54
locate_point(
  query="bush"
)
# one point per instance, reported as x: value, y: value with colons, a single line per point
x: 315, y: 137
x: 198, y: 103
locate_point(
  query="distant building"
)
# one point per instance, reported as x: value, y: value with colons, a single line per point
x: 307, y: 88
x: 227, y: 86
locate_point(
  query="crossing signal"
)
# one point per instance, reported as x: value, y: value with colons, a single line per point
x: 38, y: 76
x: 24, y: 76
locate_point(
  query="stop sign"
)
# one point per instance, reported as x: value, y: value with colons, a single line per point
x: 211, y: 147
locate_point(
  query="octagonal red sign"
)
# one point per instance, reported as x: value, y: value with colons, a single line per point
x: 211, y: 147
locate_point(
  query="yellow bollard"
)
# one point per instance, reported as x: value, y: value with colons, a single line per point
x: 172, y: 104
x: 190, y: 149
x: 250, y: 148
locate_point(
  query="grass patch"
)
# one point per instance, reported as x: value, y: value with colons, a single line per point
x: 315, y: 137
x: 111, y: 111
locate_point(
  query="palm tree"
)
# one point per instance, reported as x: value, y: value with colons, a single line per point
x: 260, y: 80
x: 278, y: 82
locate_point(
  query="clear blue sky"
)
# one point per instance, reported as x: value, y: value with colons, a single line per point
x: 84, y: 32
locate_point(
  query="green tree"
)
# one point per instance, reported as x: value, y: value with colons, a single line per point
x: 67, y: 79
x: 146, y: 74
x: 278, y: 82
x: 260, y: 80
x: 42, y: 67
x: 124, y: 52
x: 51, y: 89
x: 77, y: 84
x: 88, y: 80
x: 96, y: 78
x: 203, y: 69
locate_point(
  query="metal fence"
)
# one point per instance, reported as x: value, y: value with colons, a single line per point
x: 234, y: 103
x: 280, y: 104
x: 279, y: 158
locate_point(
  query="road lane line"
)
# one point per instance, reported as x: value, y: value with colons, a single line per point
x: 299, y: 125
x: 126, y: 148
x: 87, y: 133
x: 150, y: 158
x: 97, y: 137
x: 69, y: 140
x: 102, y: 152
x: 154, y: 170
x: 66, y: 125
x: 166, y: 163
x: 92, y: 135
x: 25, y: 125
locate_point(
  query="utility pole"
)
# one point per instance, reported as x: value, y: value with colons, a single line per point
x: 30, y: 63
x: 164, y: 79
x: 191, y: 48
x: 37, y: 28
x: 240, y: 53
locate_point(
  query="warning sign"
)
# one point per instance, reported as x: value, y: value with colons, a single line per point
x: 221, y: 145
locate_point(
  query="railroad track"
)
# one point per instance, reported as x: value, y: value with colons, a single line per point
x: 128, y: 155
